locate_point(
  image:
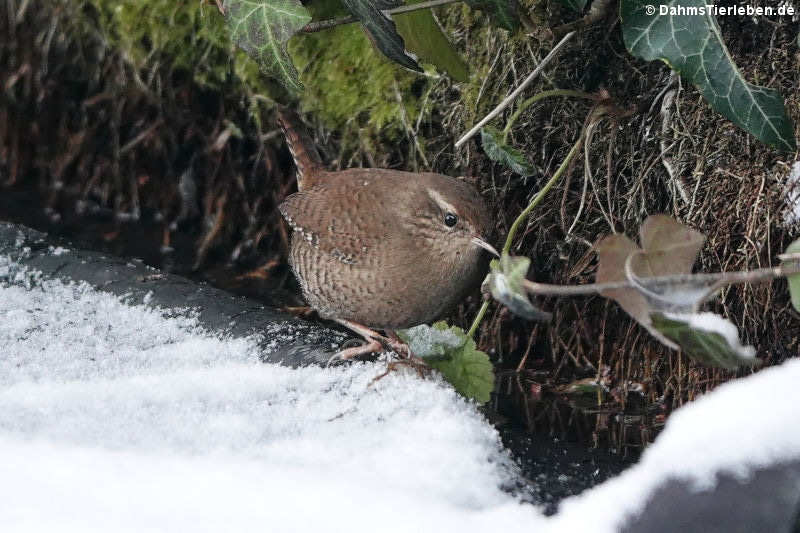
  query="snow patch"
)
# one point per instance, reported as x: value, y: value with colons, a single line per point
x: 128, y: 418
x: 116, y: 417
x: 742, y: 425
x: 713, y: 323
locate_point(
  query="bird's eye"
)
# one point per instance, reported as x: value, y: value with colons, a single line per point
x: 450, y: 220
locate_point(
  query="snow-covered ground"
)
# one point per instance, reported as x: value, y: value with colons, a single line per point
x: 118, y: 418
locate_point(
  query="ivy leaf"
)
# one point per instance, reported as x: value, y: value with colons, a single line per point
x: 794, y: 279
x: 424, y: 37
x: 668, y: 248
x: 505, y: 281
x: 575, y: 5
x: 706, y: 338
x: 262, y: 27
x: 503, y: 13
x: 450, y: 351
x: 500, y: 152
x: 381, y: 30
x: 692, y: 45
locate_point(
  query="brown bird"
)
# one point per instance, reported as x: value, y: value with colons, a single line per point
x: 381, y: 249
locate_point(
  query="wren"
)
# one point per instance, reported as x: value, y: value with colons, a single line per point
x: 381, y: 249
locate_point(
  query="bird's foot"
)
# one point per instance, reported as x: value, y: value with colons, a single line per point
x: 374, y: 343
x: 370, y: 346
x: 413, y: 362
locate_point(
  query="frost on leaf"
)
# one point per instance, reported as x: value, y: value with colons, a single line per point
x: 792, y: 215
x: 262, y: 28
x: 707, y: 338
x: 505, y: 281
x: 450, y: 351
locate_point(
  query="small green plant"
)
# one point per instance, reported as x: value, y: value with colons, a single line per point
x: 453, y: 353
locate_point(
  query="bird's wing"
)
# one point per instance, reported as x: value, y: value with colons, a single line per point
x: 325, y: 218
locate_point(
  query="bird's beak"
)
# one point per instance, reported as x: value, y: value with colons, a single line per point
x: 477, y: 241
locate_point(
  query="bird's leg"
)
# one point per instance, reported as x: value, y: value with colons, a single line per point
x: 372, y: 342
x: 397, y: 344
x: 355, y: 327
x: 371, y: 346
x: 407, y: 357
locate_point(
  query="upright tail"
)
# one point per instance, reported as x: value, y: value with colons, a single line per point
x: 301, y: 145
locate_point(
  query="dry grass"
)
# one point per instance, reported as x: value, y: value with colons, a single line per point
x: 92, y: 135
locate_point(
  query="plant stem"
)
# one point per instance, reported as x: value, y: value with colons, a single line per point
x: 312, y: 27
x: 511, y: 97
x: 477, y: 322
x: 515, y: 226
x: 720, y: 278
x: 541, y: 96
x: 540, y: 195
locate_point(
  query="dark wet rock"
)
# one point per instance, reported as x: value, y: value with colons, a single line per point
x: 300, y: 343
x: 766, y: 500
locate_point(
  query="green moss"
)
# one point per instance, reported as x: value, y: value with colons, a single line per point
x: 347, y: 79
x: 187, y: 36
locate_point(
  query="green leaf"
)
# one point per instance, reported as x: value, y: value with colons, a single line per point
x: 575, y: 5
x: 500, y: 152
x: 381, y: 30
x: 794, y: 279
x: 503, y: 13
x: 505, y: 282
x: 706, y: 338
x: 262, y: 27
x: 424, y: 38
x: 450, y: 351
x: 692, y: 45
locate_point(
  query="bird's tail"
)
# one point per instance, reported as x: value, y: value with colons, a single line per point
x: 301, y: 145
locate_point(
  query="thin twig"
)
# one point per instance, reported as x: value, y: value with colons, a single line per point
x: 312, y: 27
x: 721, y: 278
x: 511, y: 97
x: 522, y: 216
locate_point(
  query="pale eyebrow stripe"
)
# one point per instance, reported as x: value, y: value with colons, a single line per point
x: 436, y: 197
